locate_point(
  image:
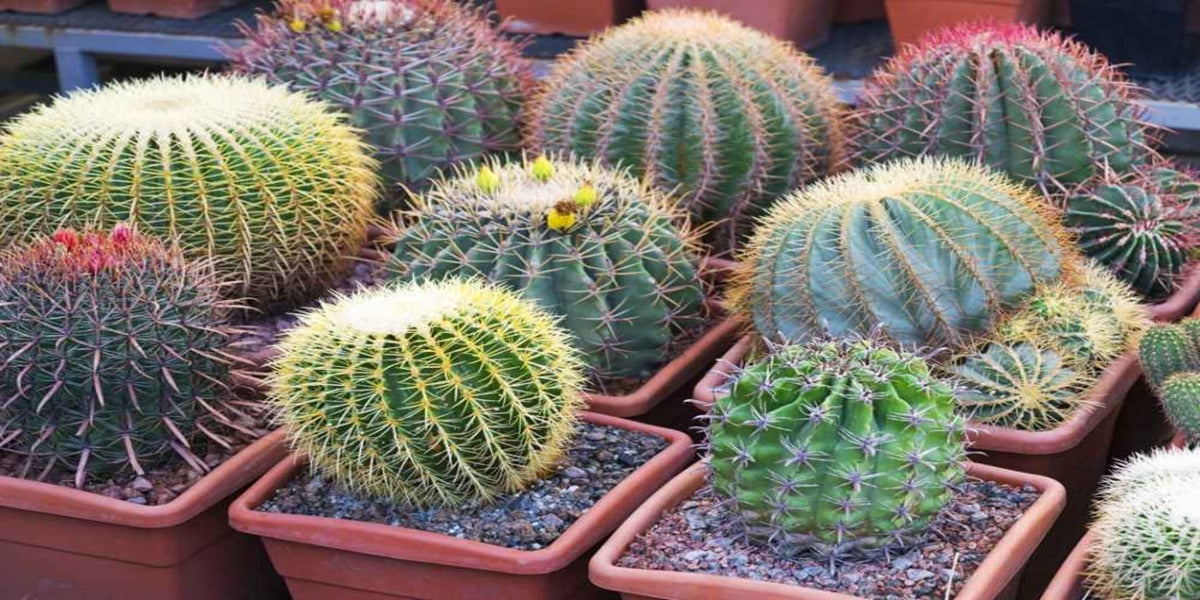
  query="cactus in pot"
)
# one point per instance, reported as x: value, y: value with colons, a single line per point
x: 587, y: 243
x: 1170, y: 357
x: 727, y: 117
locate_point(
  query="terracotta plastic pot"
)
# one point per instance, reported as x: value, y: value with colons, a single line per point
x: 47, y: 7
x: 911, y: 19
x: 335, y: 559
x: 857, y: 11
x: 1075, y: 453
x: 805, y: 23
x: 171, y: 9
x: 579, y: 18
x: 994, y: 579
x: 58, y: 543
x: 1068, y: 583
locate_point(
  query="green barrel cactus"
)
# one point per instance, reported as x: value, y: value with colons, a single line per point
x: 837, y: 447
x: 1020, y: 385
x: 1181, y: 401
x: 270, y: 185
x: 1167, y: 349
x: 1041, y: 108
x: 430, y: 393
x: 110, y: 354
x: 728, y: 117
x: 1142, y: 226
x: 590, y: 244
x: 928, y: 251
x: 429, y: 82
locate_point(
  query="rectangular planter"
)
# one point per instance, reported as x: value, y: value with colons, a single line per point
x: 171, y: 9
x: 805, y: 23
x: 911, y: 19
x: 59, y: 543
x: 994, y: 579
x: 1068, y: 584
x: 333, y: 559
x: 579, y: 18
x: 46, y: 7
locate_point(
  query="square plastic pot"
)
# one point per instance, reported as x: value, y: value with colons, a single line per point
x: 579, y: 18
x: 46, y: 7
x: 334, y: 559
x: 995, y: 578
x: 59, y: 543
x: 171, y: 9
x: 911, y: 19
x: 805, y: 23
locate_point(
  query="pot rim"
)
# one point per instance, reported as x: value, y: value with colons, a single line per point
x: 1068, y: 581
x: 1180, y: 303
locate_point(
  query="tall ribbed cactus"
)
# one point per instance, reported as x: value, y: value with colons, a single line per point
x: 109, y: 353
x: 836, y: 446
x: 433, y: 393
x: 929, y: 251
x: 428, y: 81
x: 272, y: 186
x: 590, y: 244
x: 726, y: 116
x: 1143, y: 226
x: 1039, y: 107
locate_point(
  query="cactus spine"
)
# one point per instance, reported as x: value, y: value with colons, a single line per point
x: 432, y: 393
x: 837, y: 447
x: 695, y: 102
x: 589, y: 244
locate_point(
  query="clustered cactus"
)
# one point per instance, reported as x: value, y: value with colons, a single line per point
x: 111, y: 353
x: 429, y: 82
x: 272, y: 186
x: 590, y: 244
x: 1170, y: 356
x: 837, y: 447
x: 696, y: 103
x: 429, y: 393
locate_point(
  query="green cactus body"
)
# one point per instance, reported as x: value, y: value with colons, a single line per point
x: 1021, y: 385
x: 1181, y: 401
x: 1166, y: 350
x: 1143, y: 227
x: 109, y: 354
x: 271, y: 186
x: 434, y: 393
x: 836, y: 447
x: 589, y: 244
x: 699, y: 104
x: 1041, y: 108
x: 928, y: 251
x: 429, y: 82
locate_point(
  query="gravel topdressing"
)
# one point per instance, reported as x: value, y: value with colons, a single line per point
x: 600, y: 458
x: 701, y: 535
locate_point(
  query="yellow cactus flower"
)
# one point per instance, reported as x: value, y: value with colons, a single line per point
x: 561, y: 216
x: 542, y: 169
x: 297, y: 25
x: 334, y: 26
x: 586, y: 196
x: 487, y: 180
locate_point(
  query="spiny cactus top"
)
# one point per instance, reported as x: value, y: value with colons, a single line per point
x: 1144, y: 226
x: 1043, y: 109
x: 1145, y: 532
x: 428, y: 81
x: 695, y: 102
x: 587, y: 243
x: 272, y: 186
x: 837, y: 446
x: 1170, y: 356
x: 929, y: 251
x: 109, y: 353
x: 433, y: 393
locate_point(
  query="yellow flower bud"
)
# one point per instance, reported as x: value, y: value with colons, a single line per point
x: 542, y: 169
x: 561, y: 216
x: 487, y: 180
x: 297, y: 25
x: 334, y: 26
x: 586, y: 196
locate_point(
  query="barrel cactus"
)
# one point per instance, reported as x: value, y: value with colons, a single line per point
x: 836, y: 447
x: 429, y: 393
x: 270, y: 185
x: 1042, y: 108
x: 928, y: 251
x: 1143, y: 226
x: 587, y: 243
x: 1170, y: 356
x: 696, y: 103
x: 110, y: 353
x: 429, y: 82
x: 1022, y: 385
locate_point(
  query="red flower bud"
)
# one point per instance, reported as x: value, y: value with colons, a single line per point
x: 121, y: 234
x: 66, y: 237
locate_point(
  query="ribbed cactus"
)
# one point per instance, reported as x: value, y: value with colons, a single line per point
x: 110, y: 353
x: 590, y: 244
x: 429, y: 82
x: 836, y: 446
x: 273, y: 187
x: 432, y: 393
x: 1143, y: 226
x: 1020, y: 385
x: 1181, y: 402
x: 696, y: 103
x: 928, y: 251
x: 1170, y: 356
x: 1039, y: 107
x: 1145, y: 532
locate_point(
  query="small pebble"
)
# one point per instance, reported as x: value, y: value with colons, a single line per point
x: 142, y: 484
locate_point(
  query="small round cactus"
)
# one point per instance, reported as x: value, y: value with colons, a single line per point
x: 590, y: 244
x: 110, y: 353
x: 1019, y: 385
x: 1167, y: 349
x: 1181, y: 401
x: 694, y: 102
x: 429, y: 393
x: 836, y: 447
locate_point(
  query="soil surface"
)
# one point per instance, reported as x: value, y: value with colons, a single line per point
x: 701, y: 535
x: 600, y: 458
